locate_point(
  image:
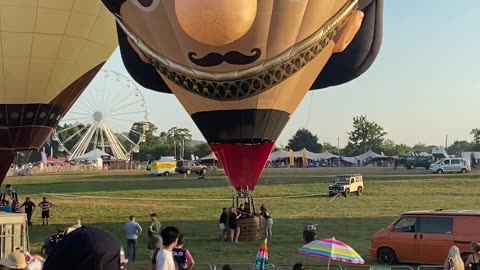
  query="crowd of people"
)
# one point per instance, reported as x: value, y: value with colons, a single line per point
x: 230, y: 228
x: 9, y: 203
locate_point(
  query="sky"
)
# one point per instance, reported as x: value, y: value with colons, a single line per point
x: 423, y: 86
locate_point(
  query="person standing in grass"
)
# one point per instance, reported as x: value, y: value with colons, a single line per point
x: 267, y: 227
x: 222, y: 224
x: 133, y: 231
x: 45, y: 205
x: 164, y: 258
x: 182, y: 256
x: 153, y: 234
x: 29, y: 208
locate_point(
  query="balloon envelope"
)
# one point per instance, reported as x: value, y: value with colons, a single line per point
x: 240, y: 68
x: 50, y: 51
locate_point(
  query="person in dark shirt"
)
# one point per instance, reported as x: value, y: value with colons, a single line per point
x: 233, y: 227
x: 222, y: 224
x: 29, y: 208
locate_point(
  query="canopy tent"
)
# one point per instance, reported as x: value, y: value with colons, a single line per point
x: 279, y: 154
x: 308, y: 154
x: 209, y: 157
x: 93, y: 155
x: 368, y: 155
x: 351, y: 160
x: 425, y: 154
x: 326, y: 155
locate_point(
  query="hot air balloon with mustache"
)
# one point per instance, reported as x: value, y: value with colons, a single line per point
x: 49, y: 52
x: 240, y: 68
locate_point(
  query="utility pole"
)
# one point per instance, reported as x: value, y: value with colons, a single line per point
x: 446, y: 140
x: 338, y: 147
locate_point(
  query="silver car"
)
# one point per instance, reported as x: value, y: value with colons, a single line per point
x: 446, y: 165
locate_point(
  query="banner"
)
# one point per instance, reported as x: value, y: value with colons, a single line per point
x: 304, y: 159
x: 292, y: 158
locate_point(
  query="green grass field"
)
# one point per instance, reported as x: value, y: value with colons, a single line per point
x: 294, y: 197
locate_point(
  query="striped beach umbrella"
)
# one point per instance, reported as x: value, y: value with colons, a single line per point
x: 331, y: 250
x: 261, y: 262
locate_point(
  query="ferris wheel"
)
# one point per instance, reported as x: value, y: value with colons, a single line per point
x: 111, y: 116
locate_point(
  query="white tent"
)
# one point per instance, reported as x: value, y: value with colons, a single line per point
x: 279, y: 154
x: 368, y: 155
x: 351, y: 160
x: 211, y: 156
x: 425, y: 154
x: 325, y: 155
x: 308, y: 154
x: 93, y: 155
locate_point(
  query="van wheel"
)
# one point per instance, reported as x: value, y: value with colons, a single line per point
x: 439, y: 171
x: 359, y: 191
x: 166, y: 173
x: 463, y: 170
x: 387, y: 256
x: 189, y: 171
x: 346, y: 192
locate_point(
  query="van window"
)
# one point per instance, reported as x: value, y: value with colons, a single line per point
x: 406, y: 224
x: 455, y: 161
x: 446, y: 162
x: 436, y: 225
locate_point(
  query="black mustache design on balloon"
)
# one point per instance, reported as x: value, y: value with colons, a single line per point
x: 233, y: 57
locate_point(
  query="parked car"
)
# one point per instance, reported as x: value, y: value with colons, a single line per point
x: 424, y: 237
x: 412, y: 162
x: 189, y: 167
x: 446, y: 165
x: 346, y: 184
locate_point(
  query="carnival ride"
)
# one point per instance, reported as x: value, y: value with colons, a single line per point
x: 111, y: 115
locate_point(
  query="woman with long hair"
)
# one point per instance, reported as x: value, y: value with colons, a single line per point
x: 473, y: 261
x: 454, y: 260
x: 267, y: 227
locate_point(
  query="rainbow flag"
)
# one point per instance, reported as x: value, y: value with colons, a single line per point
x: 261, y: 262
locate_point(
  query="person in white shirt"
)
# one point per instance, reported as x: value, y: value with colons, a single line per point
x: 164, y: 256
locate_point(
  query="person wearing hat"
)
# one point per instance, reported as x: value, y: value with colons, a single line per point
x: 15, y: 260
x: 87, y: 248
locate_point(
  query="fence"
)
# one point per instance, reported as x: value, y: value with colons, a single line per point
x: 249, y: 266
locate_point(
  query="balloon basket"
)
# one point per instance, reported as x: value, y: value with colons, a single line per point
x: 250, y: 229
x: 251, y: 224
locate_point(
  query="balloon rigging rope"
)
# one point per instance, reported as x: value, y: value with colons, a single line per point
x: 75, y: 196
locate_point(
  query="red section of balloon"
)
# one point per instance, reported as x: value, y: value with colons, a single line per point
x: 243, y: 163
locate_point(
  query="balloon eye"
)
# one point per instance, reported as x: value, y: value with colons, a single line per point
x: 146, y: 5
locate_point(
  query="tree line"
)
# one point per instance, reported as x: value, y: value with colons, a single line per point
x: 176, y: 141
x: 368, y: 135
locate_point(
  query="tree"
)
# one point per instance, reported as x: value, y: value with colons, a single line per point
x: 330, y: 148
x: 365, y: 136
x: 458, y: 146
x: 476, y: 135
x: 202, y: 150
x: 389, y: 148
x: 178, y: 135
x: 303, y: 138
